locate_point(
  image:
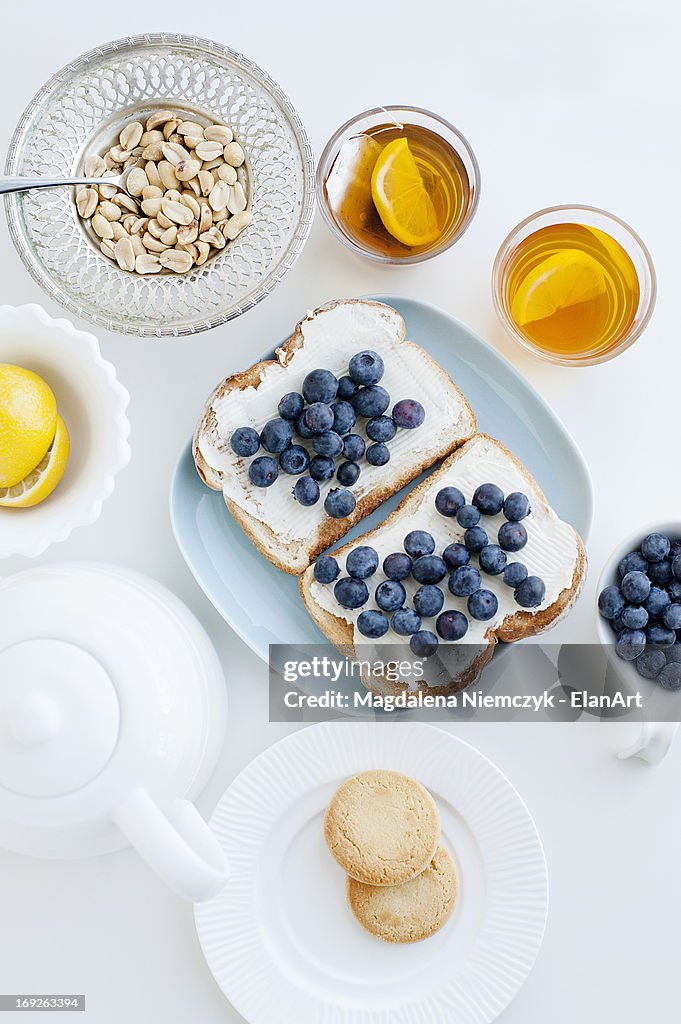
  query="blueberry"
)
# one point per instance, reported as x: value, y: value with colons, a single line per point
x: 397, y: 566
x: 452, y: 625
x: 245, y: 441
x: 263, y: 471
x: 390, y: 595
x: 655, y: 547
x: 373, y: 624
x: 351, y: 593
x: 361, y: 562
x: 339, y: 503
x: 475, y: 539
x: 468, y: 516
x: 448, y: 501
x: 381, y: 428
x: 408, y: 414
x: 366, y: 367
x: 631, y: 643
x: 514, y: 574
x: 673, y: 654
x: 489, y: 499
x: 633, y: 562
x: 670, y: 677
x: 346, y: 388
x: 424, y: 643
x: 378, y: 454
x: 465, y: 581
x: 428, y: 601
x: 492, y: 560
x: 322, y: 467
x: 455, y: 555
x: 671, y: 616
x: 419, y: 542
x: 618, y: 624
x: 329, y: 443
x: 406, y: 622
x: 301, y: 429
x: 512, y: 536
x: 276, y: 435
x: 353, y: 447
x: 635, y: 586
x: 659, y: 636
x: 482, y: 605
x: 317, y: 418
x: 326, y: 569
x: 634, y: 617
x: 676, y: 568
x: 656, y: 602
x: 674, y: 550
x: 371, y: 401
x: 291, y: 406
x: 611, y: 602
x: 320, y: 386
x: 516, y: 506
x: 532, y: 591
x: 674, y: 590
x: 347, y: 474
x: 429, y: 569
x: 306, y: 491
x: 294, y: 459
x: 343, y: 417
x: 661, y: 572
x: 650, y: 664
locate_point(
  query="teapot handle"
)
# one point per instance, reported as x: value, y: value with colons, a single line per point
x: 653, y: 743
x: 178, y: 845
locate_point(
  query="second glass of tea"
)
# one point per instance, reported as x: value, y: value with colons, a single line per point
x: 574, y: 285
x: 398, y: 184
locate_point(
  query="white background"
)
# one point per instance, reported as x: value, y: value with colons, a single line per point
x: 562, y: 103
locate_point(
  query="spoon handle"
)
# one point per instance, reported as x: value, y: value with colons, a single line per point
x: 25, y: 184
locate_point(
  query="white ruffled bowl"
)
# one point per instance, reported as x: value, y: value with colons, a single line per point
x: 93, y: 405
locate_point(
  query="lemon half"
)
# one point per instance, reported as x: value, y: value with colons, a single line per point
x: 401, y: 198
x: 42, y: 480
x: 28, y: 419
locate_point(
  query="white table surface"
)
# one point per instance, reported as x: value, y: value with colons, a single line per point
x: 562, y: 103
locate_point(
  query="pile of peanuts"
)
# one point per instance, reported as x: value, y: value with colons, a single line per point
x: 186, y: 194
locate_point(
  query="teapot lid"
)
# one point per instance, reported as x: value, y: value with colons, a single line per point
x: 59, y: 716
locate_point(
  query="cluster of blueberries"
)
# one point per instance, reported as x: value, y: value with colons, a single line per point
x: 428, y: 569
x: 644, y: 610
x: 325, y: 414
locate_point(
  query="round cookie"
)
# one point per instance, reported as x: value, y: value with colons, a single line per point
x: 411, y: 911
x: 382, y: 827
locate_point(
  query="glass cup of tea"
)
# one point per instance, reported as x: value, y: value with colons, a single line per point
x: 398, y: 184
x: 574, y: 285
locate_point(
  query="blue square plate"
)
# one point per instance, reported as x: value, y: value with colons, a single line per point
x: 261, y: 603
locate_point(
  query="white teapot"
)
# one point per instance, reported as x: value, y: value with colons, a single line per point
x: 112, y: 712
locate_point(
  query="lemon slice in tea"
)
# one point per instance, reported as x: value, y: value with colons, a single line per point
x: 401, y: 198
x: 562, y: 280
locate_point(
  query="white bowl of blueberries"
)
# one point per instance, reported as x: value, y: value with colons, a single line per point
x: 639, y: 605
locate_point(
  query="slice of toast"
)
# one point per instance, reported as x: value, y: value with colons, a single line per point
x: 554, y: 552
x: 287, y: 533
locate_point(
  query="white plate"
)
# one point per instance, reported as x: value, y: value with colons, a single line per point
x: 282, y: 943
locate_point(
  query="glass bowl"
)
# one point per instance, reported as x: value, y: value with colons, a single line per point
x: 401, y: 115
x: 80, y: 111
x: 592, y: 217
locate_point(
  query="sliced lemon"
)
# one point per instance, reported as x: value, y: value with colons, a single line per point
x: 42, y: 480
x: 562, y: 280
x: 401, y: 198
x: 28, y: 418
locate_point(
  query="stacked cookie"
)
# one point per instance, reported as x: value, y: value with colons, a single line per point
x: 383, y: 828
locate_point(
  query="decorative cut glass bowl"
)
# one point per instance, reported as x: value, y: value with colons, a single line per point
x: 83, y: 108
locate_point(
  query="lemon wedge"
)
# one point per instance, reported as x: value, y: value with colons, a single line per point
x: 42, y: 480
x: 562, y: 280
x: 28, y: 418
x: 401, y: 198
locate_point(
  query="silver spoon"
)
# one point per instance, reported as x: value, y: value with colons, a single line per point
x: 8, y: 185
